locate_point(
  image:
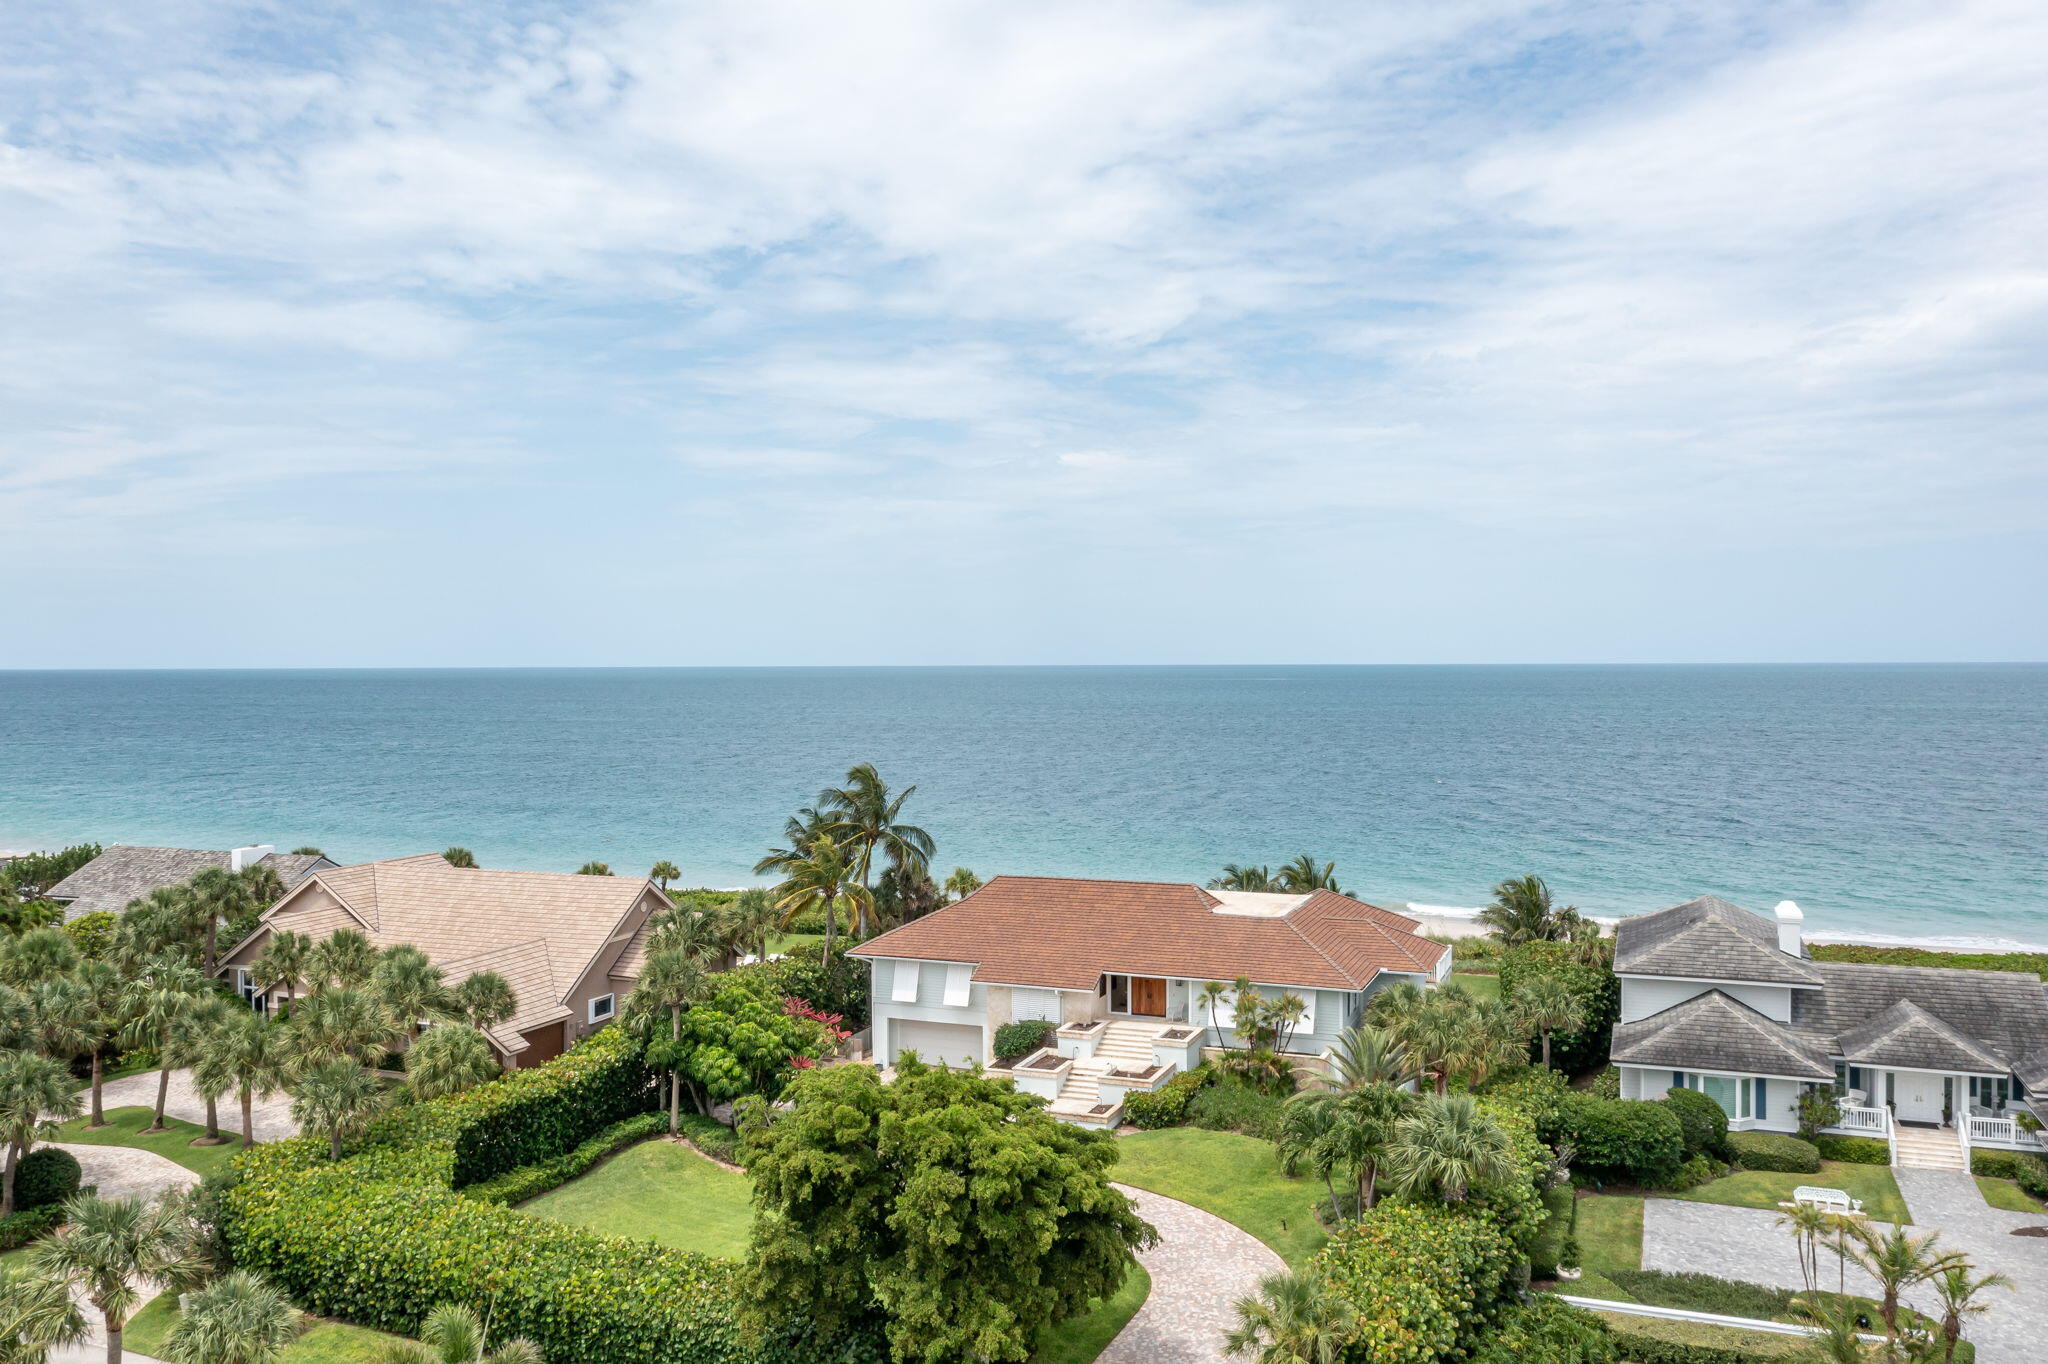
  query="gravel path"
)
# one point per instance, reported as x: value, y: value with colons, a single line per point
x: 1747, y: 1244
x: 273, y: 1115
x: 1200, y: 1268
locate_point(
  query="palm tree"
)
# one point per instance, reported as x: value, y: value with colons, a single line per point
x: 1838, y: 1338
x: 112, y: 1247
x: 407, y: 983
x: 453, y: 1335
x: 209, y: 1014
x: 671, y: 980
x: 1446, y: 1146
x: 1546, y: 1005
x: 60, y: 1017
x: 820, y: 880
x: 961, y: 883
x: 158, y: 1005
x: 663, y: 872
x: 448, y: 1059
x: 38, y: 955
x: 1291, y: 1319
x: 1209, y: 996
x: 460, y: 857
x: 485, y: 1000
x: 1434, y: 1033
x: 283, y: 962
x: 1305, y: 874
x: 1249, y: 878
x: 1898, y: 1260
x: 1285, y: 1014
x: 36, y: 1313
x: 1368, y: 1123
x: 338, y: 1096
x: 247, y: 1054
x: 748, y: 921
x: 594, y: 868
x: 1807, y: 1222
x: 1366, y: 1055
x: 105, y: 1016
x: 218, y: 894
x: 344, y: 1023
x: 36, y: 1092
x: 1306, y: 1122
x: 236, y: 1319
x: 344, y: 958
x: 866, y: 819
x: 1522, y: 912
x: 1957, y: 1292
x: 307, y: 850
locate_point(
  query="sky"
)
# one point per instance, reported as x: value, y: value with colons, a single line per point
x: 758, y: 332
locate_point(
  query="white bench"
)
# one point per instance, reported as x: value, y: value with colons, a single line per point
x: 1832, y: 1199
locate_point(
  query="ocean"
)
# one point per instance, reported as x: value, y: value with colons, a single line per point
x: 1894, y: 803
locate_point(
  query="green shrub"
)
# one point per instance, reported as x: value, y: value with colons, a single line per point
x: 531, y: 1181
x: 1607, y: 1084
x: 1634, y: 1140
x: 1690, y: 1175
x: 1598, y: 992
x: 715, y: 1140
x: 1775, y: 1151
x: 1547, y: 1252
x: 2028, y: 1171
x: 1703, y: 1293
x: 1701, y: 1121
x: 17, y: 1229
x: 1646, y: 1341
x: 1232, y: 1106
x: 1532, y: 1091
x: 1854, y: 1150
x: 1166, y: 1106
x: 1545, y: 1330
x: 45, y: 1175
x: 1426, y: 1280
x: 534, y: 1115
x: 1022, y: 1037
x: 839, y: 985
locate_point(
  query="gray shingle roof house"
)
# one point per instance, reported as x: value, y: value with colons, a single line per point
x: 1718, y: 999
x: 126, y: 872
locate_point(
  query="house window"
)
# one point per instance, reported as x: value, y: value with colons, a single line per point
x: 601, y: 1008
x: 245, y: 986
x: 1732, y: 1093
x: 1842, y: 1085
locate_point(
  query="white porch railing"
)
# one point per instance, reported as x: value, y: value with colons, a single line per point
x: 1997, y: 1132
x: 1864, y: 1119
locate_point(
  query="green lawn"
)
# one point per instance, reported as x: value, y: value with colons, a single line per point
x: 1764, y: 1189
x: 124, y: 1128
x: 324, y: 1342
x: 1236, y: 1177
x: 1079, y: 1339
x: 2003, y: 1193
x: 661, y: 1191
x: 1760, y: 1345
x: 1610, y: 1232
x: 1483, y: 985
x: 779, y: 943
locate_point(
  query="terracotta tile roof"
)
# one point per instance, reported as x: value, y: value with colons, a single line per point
x: 1062, y: 933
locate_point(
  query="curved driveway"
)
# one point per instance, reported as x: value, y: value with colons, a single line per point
x: 1200, y: 1268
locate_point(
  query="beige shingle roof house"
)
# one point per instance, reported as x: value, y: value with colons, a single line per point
x: 559, y: 940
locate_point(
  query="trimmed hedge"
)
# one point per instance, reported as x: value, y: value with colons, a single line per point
x: 1775, y: 1151
x: 1166, y: 1106
x: 17, y: 1229
x: 2030, y: 1172
x: 1022, y: 1038
x: 535, y: 1115
x: 1230, y: 1105
x: 1425, y: 1279
x: 531, y: 1181
x: 1854, y: 1150
x: 1701, y: 1120
x: 1548, y: 1251
x: 1547, y: 1330
x: 1595, y: 986
x: 1634, y: 1140
x: 46, y: 1175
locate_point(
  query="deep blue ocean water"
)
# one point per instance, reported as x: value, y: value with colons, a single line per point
x: 1900, y: 801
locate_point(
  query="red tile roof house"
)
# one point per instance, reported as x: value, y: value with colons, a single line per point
x: 569, y: 946
x: 1120, y: 965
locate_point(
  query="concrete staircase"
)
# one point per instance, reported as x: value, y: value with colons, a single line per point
x: 1124, y: 1044
x: 1924, y: 1148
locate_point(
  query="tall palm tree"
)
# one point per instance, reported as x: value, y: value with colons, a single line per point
x: 484, y: 1000
x: 114, y: 1246
x: 61, y: 1016
x: 866, y: 819
x: 1807, y: 1222
x: 1366, y: 1055
x: 338, y: 1097
x: 1210, y: 996
x: 247, y: 1054
x: 1306, y: 1122
x: 1546, y: 1005
x: 1249, y: 878
x: 460, y: 857
x: 283, y: 962
x: 1522, y: 911
x: 351, y: 1024
x: 822, y: 879
x: 1285, y: 1014
x: 594, y: 868
x: 671, y: 980
x: 447, y: 1059
x: 1838, y: 1337
x: 1305, y: 874
x: 36, y: 1314
x: 749, y: 920
x: 1446, y: 1146
x: 343, y: 958
x: 1368, y: 1124
x: 961, y: 883
x: 452, y: 1335
x: 38, y: 955
x: 1898, y: 1260
x: 209, y: 1013
x: 663, y: 872
x: 218, y: 895
x: 105, y: 1017
x: 36, y: 1092
x: 408, y: 984
x: 1435, y: 1032
x: 158, y: 1004
x: 236, y: 1319
x: 1291, y: 1319
x: 1957, y: 1291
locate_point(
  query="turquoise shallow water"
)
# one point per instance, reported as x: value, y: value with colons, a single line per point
x: 1907, y: 801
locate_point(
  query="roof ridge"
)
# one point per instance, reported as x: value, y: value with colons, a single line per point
x: 1317, y: 948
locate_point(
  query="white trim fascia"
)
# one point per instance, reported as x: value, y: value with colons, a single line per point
x: 1720, y: 980
x: 1730, y: 1074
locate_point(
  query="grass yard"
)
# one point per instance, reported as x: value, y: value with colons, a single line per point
x: 1741, y: 1344
x: 1483, y: 985
x: 1236, y: 1177
x: 659, y: 1191
x: 324, y: 1342
x: 124, y: 1128
x: 2003, y: 1193
x: 1765, y: 1189
x: 1610, y: 1232
x: 779, y: 943
x: 1080, y: 1339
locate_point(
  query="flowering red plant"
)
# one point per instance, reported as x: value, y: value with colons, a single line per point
x: 798, y: 1008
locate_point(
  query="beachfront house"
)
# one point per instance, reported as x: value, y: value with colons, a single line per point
x: 569, y: 946
x: 1933, y: 1061
x: 1119, y: 967
x: 128, y: 871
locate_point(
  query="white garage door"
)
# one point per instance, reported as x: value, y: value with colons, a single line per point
x: 952, y: 1044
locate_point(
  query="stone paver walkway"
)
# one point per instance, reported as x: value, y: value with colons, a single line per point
x: 1747, y: 1244
x: 1200, y: 1268
x: 127, y: 1171
x: 273, y: 1115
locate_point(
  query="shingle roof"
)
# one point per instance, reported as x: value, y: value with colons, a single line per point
x: 1714, y: 1031
x: 1707, y: 939
x: 1909, y: 1037
x: 2000, y: 1015
x: 1063, y: 933
x: 129, y: 871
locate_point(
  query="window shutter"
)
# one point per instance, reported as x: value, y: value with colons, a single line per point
x: 904, y: 988
x: 956, y: 986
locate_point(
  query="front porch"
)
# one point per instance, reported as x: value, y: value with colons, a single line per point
x: 1093, y: 1064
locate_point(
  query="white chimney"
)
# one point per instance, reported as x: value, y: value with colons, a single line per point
x: 1790, y: 922
x: 242, y: 858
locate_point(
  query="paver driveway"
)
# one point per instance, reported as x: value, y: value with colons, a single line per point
x: 273, y: 1115
x: 1747, y: 1244
x: 1200, y: 1268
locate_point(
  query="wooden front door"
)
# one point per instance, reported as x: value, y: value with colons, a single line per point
x: 1148, y: 996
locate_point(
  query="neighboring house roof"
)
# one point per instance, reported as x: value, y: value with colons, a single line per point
x: 1714, y: 1031
x: 1063, y: 933
x: 128, y: 872
x: 1707, y: 939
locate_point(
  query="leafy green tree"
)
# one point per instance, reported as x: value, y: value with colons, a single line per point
x: 663, y: 872
x: 114, y: 1245
x: 865, y: 1212
x: 1445, y: 1147
x: 1291, y: 1319
x: 1579, y: 1050
x: 594, y: 868
x: 236, y: 1319
x: 36, y: 1093
x: 93, y: 933
x: 31, y: 875
x: 1548, y: 1005
x: 903, y: 894
x: 1305, y: 874
x: 739, y: 1040
x: 283, y: 963
x: 36, y: 1315
x: 249, y: 1055
x: 38, y: 955
x: 104, y: 1015
x: 460, y: 857
x: 961, y: 883
x: 1249, y: 878
x: 344, y: 959
x: 447, y: 1059
x: 452, y: 1334
x: 338, y: 1097
x: 484, y: 1000
x: 158, y: 1003
x: 822, y: 879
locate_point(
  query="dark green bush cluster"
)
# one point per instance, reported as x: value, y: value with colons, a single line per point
x: 531, y: 1181
x: 1533, y: 1091
x: 1701, y: 1121
x: 535, y: 1115
x: 839, y: 985
x: 2030, y: 1172
x: 1166, y: 1106
x: 1548, y: 1250
x: 1230, y: 1105
x: 45, y: 1175
x: 1690, y: 1174
x: 1545, y: 1330
x: 1633, y: 1342
x: 1596, y: 987
x: 712, y: 1137
x: 1607, y: 1084
x: 1854, y: 1150
x: 1775, y: 1151
x: 17, y: 1229
x: 1635, y: 1141
x: 1022, y: 1037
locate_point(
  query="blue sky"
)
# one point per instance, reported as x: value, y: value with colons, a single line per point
x: 760, y: 332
